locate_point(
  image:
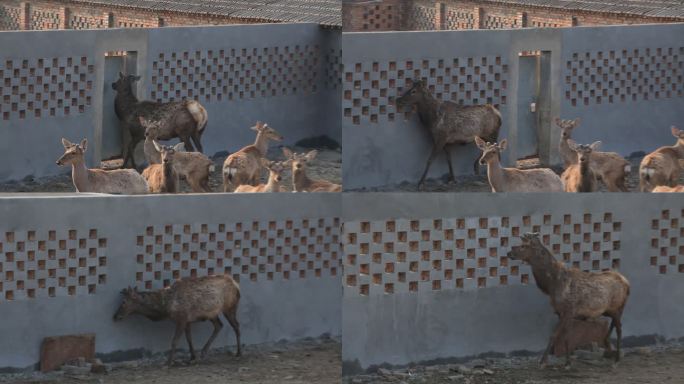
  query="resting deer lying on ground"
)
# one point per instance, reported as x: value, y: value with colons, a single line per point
x: 661, y: 167
x: 581, y: 333
x: 611, y: 168
x: 515, y: 180
x: 244, y: 166
x: 275, y: 177
x: 300, y: 181
x: 118, y: 181
x: 187, y: 301
x: 580, y: 177
x: 450, y: 123
x: 575, y: 294
x: 195, y: 167
x: 163, y: 178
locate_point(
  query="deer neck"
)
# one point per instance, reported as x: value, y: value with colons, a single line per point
x: 679, y: 148
x: 155, y: 305
x: 123, y: 101
x: 272, y: 185
x: 301, y: 180
x: 169, y: 179
x: 568, y: 156
x: 427, y: 111
x: 495, y: 174
x: 261, y: 143
x: 546, y: 271
x: 79, y: 175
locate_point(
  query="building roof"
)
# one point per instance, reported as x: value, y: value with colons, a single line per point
x: 324, y: 12
x: 649, y: 8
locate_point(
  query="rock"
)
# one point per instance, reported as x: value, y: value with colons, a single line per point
x: 588, y: 355
x: 487, y: 371
x: 384, y: 372
x: 76, y: 370
x: 55, y: 351
x: 243, y: 369
x: 462, y: 369
x: 477, y: 363
x: 455, y: 377
x: 644, y: 351
x: 98, y: 367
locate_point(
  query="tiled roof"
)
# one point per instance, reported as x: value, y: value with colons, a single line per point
x: 324, y: 12
x: 649, y: 8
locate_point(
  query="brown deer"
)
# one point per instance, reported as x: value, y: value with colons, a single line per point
x: 581, y: 333
x: 609, y: 167
x: 118, y: 181
x: 244, y: 166
x: 666, y: 189
x: 580, y: 177
x: 195, y: 167
x: 300, y: 181
x: 512, y: 179
x: 163, y: 178
x: 450, y: 123
x: 661, y: 167
x: 185, y: 119
x: 275, y: 177
x: 574, y: 294
x: 187, y: 301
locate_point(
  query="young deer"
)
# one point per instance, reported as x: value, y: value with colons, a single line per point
x: 244, y: 166
x: 163, y: 178
x: 581, y: 333
x: 300, y: 181
x: 275, y: 177
x: 611, y: 168
x: 579, y: 177
x: 187, y: 301
x: 515, y: 180
x: 661, y: 167
x: 118, y: 181
x: 574, y: 294
x: 195, y: 167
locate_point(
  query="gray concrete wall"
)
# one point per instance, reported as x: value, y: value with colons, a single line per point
x: 384, y: 145
x: 295, y: 65
x: 65, y: 258
x: 426, y: 275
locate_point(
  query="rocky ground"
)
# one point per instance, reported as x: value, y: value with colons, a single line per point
x: 662, y: 364
x: 308, y: 361
x: 472, y: 183
x: 326, y: 166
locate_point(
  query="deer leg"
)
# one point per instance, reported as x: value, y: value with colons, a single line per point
x: 130, y: 153
x: 174, y: 341
x: 618, y: 330
x: 188, y: 143
x: 188, y: 337
x: 427, y: 166
x: 452, y: 178
x: 217, y: 328
x: 196, y: 139
x: 559, y: 328
x: 231, y: 315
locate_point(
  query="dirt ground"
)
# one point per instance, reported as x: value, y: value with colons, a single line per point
x: 326, y: 166
x: 473, y: 183
x: 644, y: 365
x: 311, y: 361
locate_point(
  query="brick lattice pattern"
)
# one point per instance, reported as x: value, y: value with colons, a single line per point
x: 667, y: 242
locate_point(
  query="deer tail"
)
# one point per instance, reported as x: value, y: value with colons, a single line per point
x: 199, y: 113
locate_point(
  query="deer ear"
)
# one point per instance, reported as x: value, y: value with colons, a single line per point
x: 503, y: 144
x: 180, y: 147
x: 311, y: 155
x: 121, y: 75
x: 595, y: 145
x: 675, y: 131
x: 577, y: 121
x: 84, y: 144
x: 142, y: 121
x: 157, y: 146
x: 66, y: 143
x: 480, y: 143
x: 287, y: 152
x: 572, y: 144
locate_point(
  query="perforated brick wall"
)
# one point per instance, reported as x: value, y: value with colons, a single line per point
x: 624, y: 75
x: 421, y: 18
x: 277, y: 250
x: 500, y: 22
x: 83, y: 21
x: 10, y: 17
x: 42, y: 87
x: 51, y: 263
x: 371, y: 88
x: 333, y: 69
x: 460, y: 19
x: 667, y: 242
x: 236, y: 73
x: 411, y: 255
x: 45, y: 19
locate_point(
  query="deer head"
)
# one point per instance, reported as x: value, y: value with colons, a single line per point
x: 678, y: 133
x: 72, y: 152
x: 266, y: 131
x: 528, y: 249
x: 567, y: 126
x: 167, y: 152
x: 490, y: 151
x: 152, y: 128
x: 583, y: 150
x: 275, y: 169
x: 132, y: 303
x: 299, y: 161
x: 414, y: 95
x: 125, y: 83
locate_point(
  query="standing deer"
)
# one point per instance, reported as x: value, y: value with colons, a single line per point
x: 574, y: 294
x: 580, y: 177
x: 195, y: 167
x: 275, y: 177
x: 300, y: 181
x: 512, y: 179
x: 244, y: 166
x: 450, y: 123
x: 661, y: 167
x: 186, y: 119
x: 163, y: 178
x: 611, y: 168
x: 187, y: 301
x: 118, y: 181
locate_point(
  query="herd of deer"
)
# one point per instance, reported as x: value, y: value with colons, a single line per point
x: 187, y: 121
x: 450, y: 123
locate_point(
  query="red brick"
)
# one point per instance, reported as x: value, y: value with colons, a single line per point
x: 57, y: 350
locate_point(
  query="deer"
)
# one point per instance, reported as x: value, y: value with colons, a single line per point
x: 185, y: 119
x: 195, y: 167
x: 666, y: 189
x: 117, y: 181
x: 163, y: 178
x: 574, y: 294
x: 244, y: 166
x: 450, y: 123
x: 187, y: 301
x: 662, y: 166
x: 581, y: 333
x: 580, y: 177
x: 275, y: 177
x: 609, y: 167
x: 300, y: 181
x: 512, y: 179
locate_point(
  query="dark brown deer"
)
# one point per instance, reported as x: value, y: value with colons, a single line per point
x: 185, y: 302
x: 186, y: 119
x: 450, y: 123
x: 575, y: 294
